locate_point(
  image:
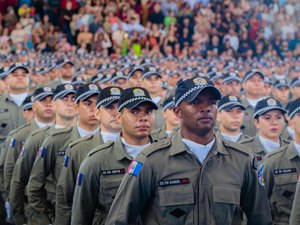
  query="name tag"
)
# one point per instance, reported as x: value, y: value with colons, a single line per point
x: 165, y: 183
x: 113, y: 172
x: 284, y: 171
x: 3, y: 110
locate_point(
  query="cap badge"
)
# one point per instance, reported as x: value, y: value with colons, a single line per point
x: 47, y: 89
x: 152, y: 69
x: 93, y: 87
x: 271, y: 102
x: 200, y: 81
x: 232, y: 98
x: 138, y: 92
x: 69, y: 87
x: 115, y: 91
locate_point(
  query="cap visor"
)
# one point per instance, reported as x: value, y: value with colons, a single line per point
x: 138, y: 102
x: 267, y: 110
x: 213, y: 90
x: 107, y: 103
x: 63, y: 94
x: 42, y: 96
x: 232, y: 105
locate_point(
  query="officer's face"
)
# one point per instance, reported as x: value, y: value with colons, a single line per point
x: 67, y: 71
x: 233, y: 88
x: 198, y: 116
x: 18, y: 80
x: 267, y: 89
x: 28, y: 115
x: 86, y: 110
x: 295, y: 124
x: 231, y: 119
x: 219, y: 84
x: 108, y: 118
x: 282, y: 93
x: 295, y: 91
x: 135, y: 80
x: 137, y: 123
x: 254, y: 86
x: 270, y: 124
x: 152, y: 84
x: 172, y: 80
x: 3, y: 86
x: 65, y: 107
x: 121, y: 83
x: 44, y: 110
x: 171, y: 118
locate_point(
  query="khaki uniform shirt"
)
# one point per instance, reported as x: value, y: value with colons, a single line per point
x: 14, y: 151
x: 248, y: 123
x: 11, y: 116
x: 168, y: 185
x: 48, y: 162
x: 161, y: 133
x: 75, y: 154
x: 281, y: 170
x: 295, y: 214
x: 21, y: 173
x: 257, y: 148
x: 99, y: 177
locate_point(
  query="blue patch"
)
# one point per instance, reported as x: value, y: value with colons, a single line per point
x: 135, y: 168
x: 13, y: 142
x: 261, y: 179
x: 66, y: 161
x: 79, y: 179
x: 42, y: 152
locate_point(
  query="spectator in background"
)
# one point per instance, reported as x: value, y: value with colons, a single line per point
x: 157, y: 15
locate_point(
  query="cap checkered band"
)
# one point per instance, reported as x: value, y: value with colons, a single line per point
x: 296, y: 83
x: 190, y: 92
x: 27, y: 106
x: 294, y: 112
x: 265, y: 109
x: 41, y: 95
x: 107, y: 100
x: 85, y: 95
x: 234, y: 104
x: 169, y: 105
x: 132, y: 100
x: 63, y: 93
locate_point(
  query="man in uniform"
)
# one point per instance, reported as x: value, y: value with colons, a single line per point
x: 253, y: 83
x: 11, y: 117
x: 232, y: 84
x: 51, y: 154
x: 295, y: 88
x: 194, y: 177
x: 281, y: 170
x: 44, y: 116
x: 101, y: 173
x: 230, y: 117
x: 107, y: 105
x: 269, y: 121
x: 171, y: 121
x: 64, y: 104
x: 281, y: 91
x: 3, y: 86
x: 134, y: 77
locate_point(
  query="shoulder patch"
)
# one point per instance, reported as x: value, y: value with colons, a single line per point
x: 156, y: 146
x: 101, y: 147
x: 134, y: 168
x: 77, y: 141
x: 61, y: 131
x: 237, y: 146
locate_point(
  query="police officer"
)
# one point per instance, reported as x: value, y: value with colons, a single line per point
x: 64, y: 104
x: 269, y: 120
x: 11, y: 117
x: 151, y: 80
x: 295, y: 88
x: 253, y: 84
x: 100, y: 174
x: 51, y: 154
x: 281, y: 91
x: 281, y: 170
x: 107, y: 105
x: 3, y: 86
x: 230, y: 117
x: 44, y: 116
x: 232, y: 84
x: 134, y: 76
x: 171, y: 121
x: 194, y: 177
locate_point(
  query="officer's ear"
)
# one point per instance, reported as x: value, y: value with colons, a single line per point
x: 119, y: 116
x: 244, y: 85
x: 219, y: 116
x: 177, y: 111
x: 256, y: 123
x: 97, y: 115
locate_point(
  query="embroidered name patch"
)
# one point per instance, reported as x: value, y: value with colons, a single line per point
x: 284, y: 171
x: 113, y: 172
x: 165, y: 183
x: 134, y: 168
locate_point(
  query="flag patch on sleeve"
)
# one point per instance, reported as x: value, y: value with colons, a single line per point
x: 66, y: 161
x: 79, y: 179
x: 12, y: 142
x: 42, y: 152
x: 134, y: 168
x: 23, y: 151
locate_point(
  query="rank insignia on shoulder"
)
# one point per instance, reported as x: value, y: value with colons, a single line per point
x: 165, y: 183
x: 261, y: 179
x: 66, y: 161
x: 134, y: 168
x: 79, y: 179
x: 42, y: 152
x: 13, y: 142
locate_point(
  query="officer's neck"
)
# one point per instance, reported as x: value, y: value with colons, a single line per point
x: 197, y: 137
x: 229, y: 132
x: 297, y: 138
x: 16, y: 92
x: 170, y: 126
x: 109, y: 129
x: 131, y: 140
x: 253, y: 96
x: 60, y: 121
x: 87, y: 127
x: 44, y: 120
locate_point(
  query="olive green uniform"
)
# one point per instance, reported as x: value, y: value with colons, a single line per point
x: 295, y: 214
x: 161, y: 133
x: 11, y: 116
x: 248, y: 123
x: 21, y: 173
x: 168, y: 185
x: 48, y: 163
x: 14, y: 151
x: 281, y: 169
x: 99, y: 177
x: 158, y: 115
x: 75, y: 154
x: 257, y: 148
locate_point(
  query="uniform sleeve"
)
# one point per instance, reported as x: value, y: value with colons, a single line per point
x: 254, y: 200
x: 295, y: 214
x: 20, y: 179
x: 3, y: 154
x: 134, y: 192
x: 65, y: 191
x: 10, y: 161
x: 85, y: 200
x: 37, y: 195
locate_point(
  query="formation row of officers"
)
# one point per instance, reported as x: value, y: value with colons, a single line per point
x: 91, y: 156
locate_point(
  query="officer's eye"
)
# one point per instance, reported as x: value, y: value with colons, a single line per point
x: 214, y: 102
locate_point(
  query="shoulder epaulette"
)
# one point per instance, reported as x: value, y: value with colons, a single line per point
x: 61, y: 131
x: 237, y: 146
x: 100, y: 148
x: 73, y: 143
x: 164, y: 143
x: 21, y: 127
x: 35, y: 132
x: 286, y: 141
x: 246, y: 140
x: 276, y: 152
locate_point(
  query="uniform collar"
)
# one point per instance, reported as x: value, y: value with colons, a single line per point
x: 291, y: 151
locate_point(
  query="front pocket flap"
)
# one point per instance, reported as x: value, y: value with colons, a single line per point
x: 285, y: 179
x: 229, y: 194
x: 172, y: 196
x: 106, y: 183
